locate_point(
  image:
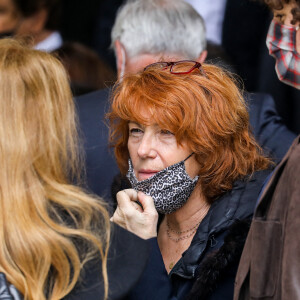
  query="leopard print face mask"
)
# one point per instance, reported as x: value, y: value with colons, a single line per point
x: 170, y: 188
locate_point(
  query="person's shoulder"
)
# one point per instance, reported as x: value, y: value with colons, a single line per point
x: 127, y: 242
x: 243, y: 197
x: 258, y: 99
x: 126, y: 261
x: 92, y: 106
x: 261, y: 175
x: 253, y: 184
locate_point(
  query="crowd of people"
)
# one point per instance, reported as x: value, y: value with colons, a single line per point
x: 166, y: 180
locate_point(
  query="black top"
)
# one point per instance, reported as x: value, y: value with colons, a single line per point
x: 208, y: 267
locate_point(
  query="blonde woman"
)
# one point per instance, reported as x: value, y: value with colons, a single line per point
x: 55, y: 240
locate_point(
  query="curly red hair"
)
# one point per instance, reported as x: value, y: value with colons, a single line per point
x: 208, y: 112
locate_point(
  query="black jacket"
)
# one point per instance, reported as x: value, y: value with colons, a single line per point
x: 207, y: 269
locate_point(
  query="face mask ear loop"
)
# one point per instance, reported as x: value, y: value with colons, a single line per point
x: 189, y: 156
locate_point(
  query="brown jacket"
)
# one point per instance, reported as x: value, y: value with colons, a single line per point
x: 270, y: 264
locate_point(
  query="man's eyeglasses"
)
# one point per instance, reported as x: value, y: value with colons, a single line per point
x: 178, y: 67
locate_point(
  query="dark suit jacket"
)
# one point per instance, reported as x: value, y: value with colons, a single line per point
x: 100, y: 163
x: 266, y: 124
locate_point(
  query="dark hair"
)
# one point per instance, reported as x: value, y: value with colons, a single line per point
x: 29, y: 7
x: 279, y: 4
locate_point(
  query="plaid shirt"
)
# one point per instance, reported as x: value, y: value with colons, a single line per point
x: 281, y: 42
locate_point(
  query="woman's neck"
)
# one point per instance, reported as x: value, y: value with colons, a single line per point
x: 190, y: 214
x: 178, y: 228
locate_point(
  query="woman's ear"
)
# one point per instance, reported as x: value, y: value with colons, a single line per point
x: 202, y: 56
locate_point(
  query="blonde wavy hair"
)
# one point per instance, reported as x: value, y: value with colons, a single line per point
x: 45, y: 222
x: 207, y: 111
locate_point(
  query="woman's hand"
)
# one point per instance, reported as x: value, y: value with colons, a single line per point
x: 141, y: 221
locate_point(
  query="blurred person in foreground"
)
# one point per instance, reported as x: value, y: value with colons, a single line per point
x: 56, y: 241
x: 8, y: 18
x: 181, y: 133
x: 270, y: 264
x: 145, y: 32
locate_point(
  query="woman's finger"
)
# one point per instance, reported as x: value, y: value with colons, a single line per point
x: 147, y: 203
x: 125, y: 197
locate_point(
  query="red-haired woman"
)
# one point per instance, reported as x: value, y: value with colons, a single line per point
x: 181, y: 133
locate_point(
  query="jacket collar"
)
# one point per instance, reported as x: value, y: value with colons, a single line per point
x: 238, y: 203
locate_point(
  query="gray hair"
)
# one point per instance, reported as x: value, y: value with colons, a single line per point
x: 159, y: 26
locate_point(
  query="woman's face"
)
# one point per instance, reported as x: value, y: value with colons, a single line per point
x: 152, y: 149
x: 8, y: 16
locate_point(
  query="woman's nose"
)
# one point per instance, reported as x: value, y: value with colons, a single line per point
x: 147, y: 146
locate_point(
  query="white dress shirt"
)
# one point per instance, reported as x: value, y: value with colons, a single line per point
x: 213, y: 12
x: 51, y: 43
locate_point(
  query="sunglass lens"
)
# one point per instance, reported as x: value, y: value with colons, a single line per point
x: 158, y: 65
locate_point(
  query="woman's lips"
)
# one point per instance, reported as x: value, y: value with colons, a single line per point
x: 144, y: 174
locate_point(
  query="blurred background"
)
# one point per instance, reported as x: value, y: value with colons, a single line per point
x: 78, y: 32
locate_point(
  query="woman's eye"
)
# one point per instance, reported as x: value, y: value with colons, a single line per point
x: 135, y: 132
x: 166, y: 132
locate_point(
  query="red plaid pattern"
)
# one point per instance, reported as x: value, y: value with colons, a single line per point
x: 281, y: 42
